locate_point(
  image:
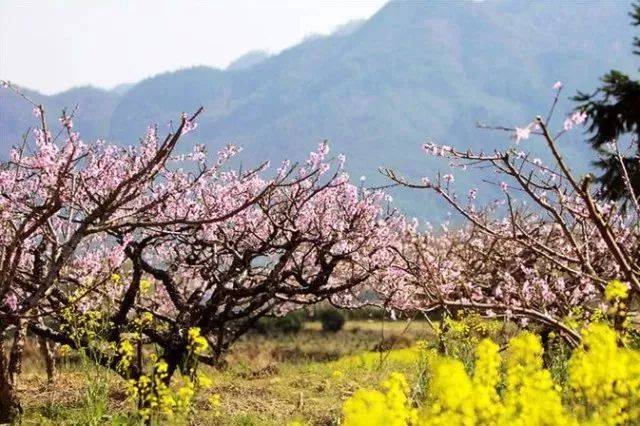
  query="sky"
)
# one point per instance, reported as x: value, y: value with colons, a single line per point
x: 53, y: 45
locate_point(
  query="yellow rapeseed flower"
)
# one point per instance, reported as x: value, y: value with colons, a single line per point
x: 616, y: 290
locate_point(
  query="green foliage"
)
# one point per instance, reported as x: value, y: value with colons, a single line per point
x: 95, y: 402
x: 332, y: 319
x: 151, y: 394
x: 51, y: 411
x: 154, y: 396
x: 613, y: 111
x: 290, y: 323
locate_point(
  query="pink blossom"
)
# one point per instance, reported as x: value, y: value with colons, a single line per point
x: 67, y: 122
x: 522, y: 133
x: 188, y: 125
x: 11, y: 301
x: 575, y: 119
x: 579, y: 117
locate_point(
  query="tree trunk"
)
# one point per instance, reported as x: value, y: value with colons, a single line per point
x: 10, y: 408
x: 17, y: 349
x: 49, y: 358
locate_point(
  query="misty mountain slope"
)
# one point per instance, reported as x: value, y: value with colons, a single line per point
x: 248, y: 60
x: 93, y: 109
x: 413, y: 71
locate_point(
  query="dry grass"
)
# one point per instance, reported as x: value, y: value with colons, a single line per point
x: 268, y: 380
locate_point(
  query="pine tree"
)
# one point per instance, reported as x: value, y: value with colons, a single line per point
x: 613, y: 111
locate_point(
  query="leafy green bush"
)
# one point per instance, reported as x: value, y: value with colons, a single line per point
x: 291, y: 323
x: 332, y: 320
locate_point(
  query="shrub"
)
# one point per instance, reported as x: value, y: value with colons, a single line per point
x: 291, y: 323
x: 332, y: 320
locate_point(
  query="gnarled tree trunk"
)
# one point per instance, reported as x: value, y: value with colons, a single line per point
x: 10, y: 408
x: 48, y: 355
x: 17, y: 349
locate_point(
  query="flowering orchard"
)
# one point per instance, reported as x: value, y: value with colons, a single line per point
x: 151, y: 262
x: 105, y: 249
x: 543, y: 251
x: 552, y: 252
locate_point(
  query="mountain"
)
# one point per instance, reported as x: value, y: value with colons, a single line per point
x: 92, y: 108
x: 248, y: 60
x: 378, y: 90
x: 121, y: 89
x: 348, y: 28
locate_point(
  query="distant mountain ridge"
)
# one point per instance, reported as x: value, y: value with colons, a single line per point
x: 378, y: 89
x: 248, y: 60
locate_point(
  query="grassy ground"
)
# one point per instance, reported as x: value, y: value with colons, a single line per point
x: 268, y: 380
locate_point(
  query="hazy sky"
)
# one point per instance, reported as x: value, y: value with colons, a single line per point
x: 53, y: 45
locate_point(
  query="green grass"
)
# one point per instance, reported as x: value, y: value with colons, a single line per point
x: 267, y: 380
